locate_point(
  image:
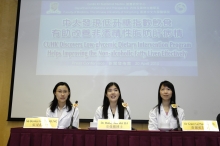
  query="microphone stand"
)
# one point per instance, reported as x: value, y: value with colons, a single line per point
x: 71, y: 122
x: 129, y: 117
x: 178, y: 125
x: 177, y: 118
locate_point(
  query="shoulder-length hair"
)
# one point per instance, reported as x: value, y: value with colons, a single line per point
x: 54, y: 103
x: 106, y: 102
x: 172, y: 99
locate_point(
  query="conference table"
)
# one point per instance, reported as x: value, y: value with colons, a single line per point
x: 66, y: 137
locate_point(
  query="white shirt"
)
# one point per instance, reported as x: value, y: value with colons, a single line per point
x: 60, y: 111
x: 157, y: 120
x: 98, y: 114
x: 65, y: 118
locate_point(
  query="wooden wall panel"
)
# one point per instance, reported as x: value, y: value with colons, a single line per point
x: 8, y: 12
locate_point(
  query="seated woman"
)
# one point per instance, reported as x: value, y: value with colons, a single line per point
x: 163, y: 115
x: 61, y: 107
x: 112, y: 105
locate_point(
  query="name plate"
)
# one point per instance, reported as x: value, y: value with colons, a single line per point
x: 114, y: 124
x: 200, y: 125
x: 41, y: 122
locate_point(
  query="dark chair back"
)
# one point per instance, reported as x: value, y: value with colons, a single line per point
x: 218, y: 121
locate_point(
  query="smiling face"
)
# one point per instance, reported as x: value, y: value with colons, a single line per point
x: 165, y: 93
x: 113, y: 94
x: 62, y: 94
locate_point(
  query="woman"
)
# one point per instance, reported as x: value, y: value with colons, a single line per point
x: 112, y: 105
x: 61, y: 107
x: 163, y: 115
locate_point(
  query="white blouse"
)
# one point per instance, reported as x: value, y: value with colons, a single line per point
x: 162, y: 120
x: 98, y: 114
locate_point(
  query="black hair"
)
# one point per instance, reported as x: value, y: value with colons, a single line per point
x: 106, y: 102
x: 54, y: 103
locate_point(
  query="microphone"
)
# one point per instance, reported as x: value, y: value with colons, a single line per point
x: 174, y: 106
x: 71, y: 122
x: 125, y: 105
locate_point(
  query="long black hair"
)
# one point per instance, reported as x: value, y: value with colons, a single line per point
x: 54, y: 103
x: 106, y: 102
x: 172, y: 99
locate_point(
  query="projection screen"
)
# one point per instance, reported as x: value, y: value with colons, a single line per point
x: 135, y: 43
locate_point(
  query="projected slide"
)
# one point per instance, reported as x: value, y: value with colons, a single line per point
x: 122, y: 38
